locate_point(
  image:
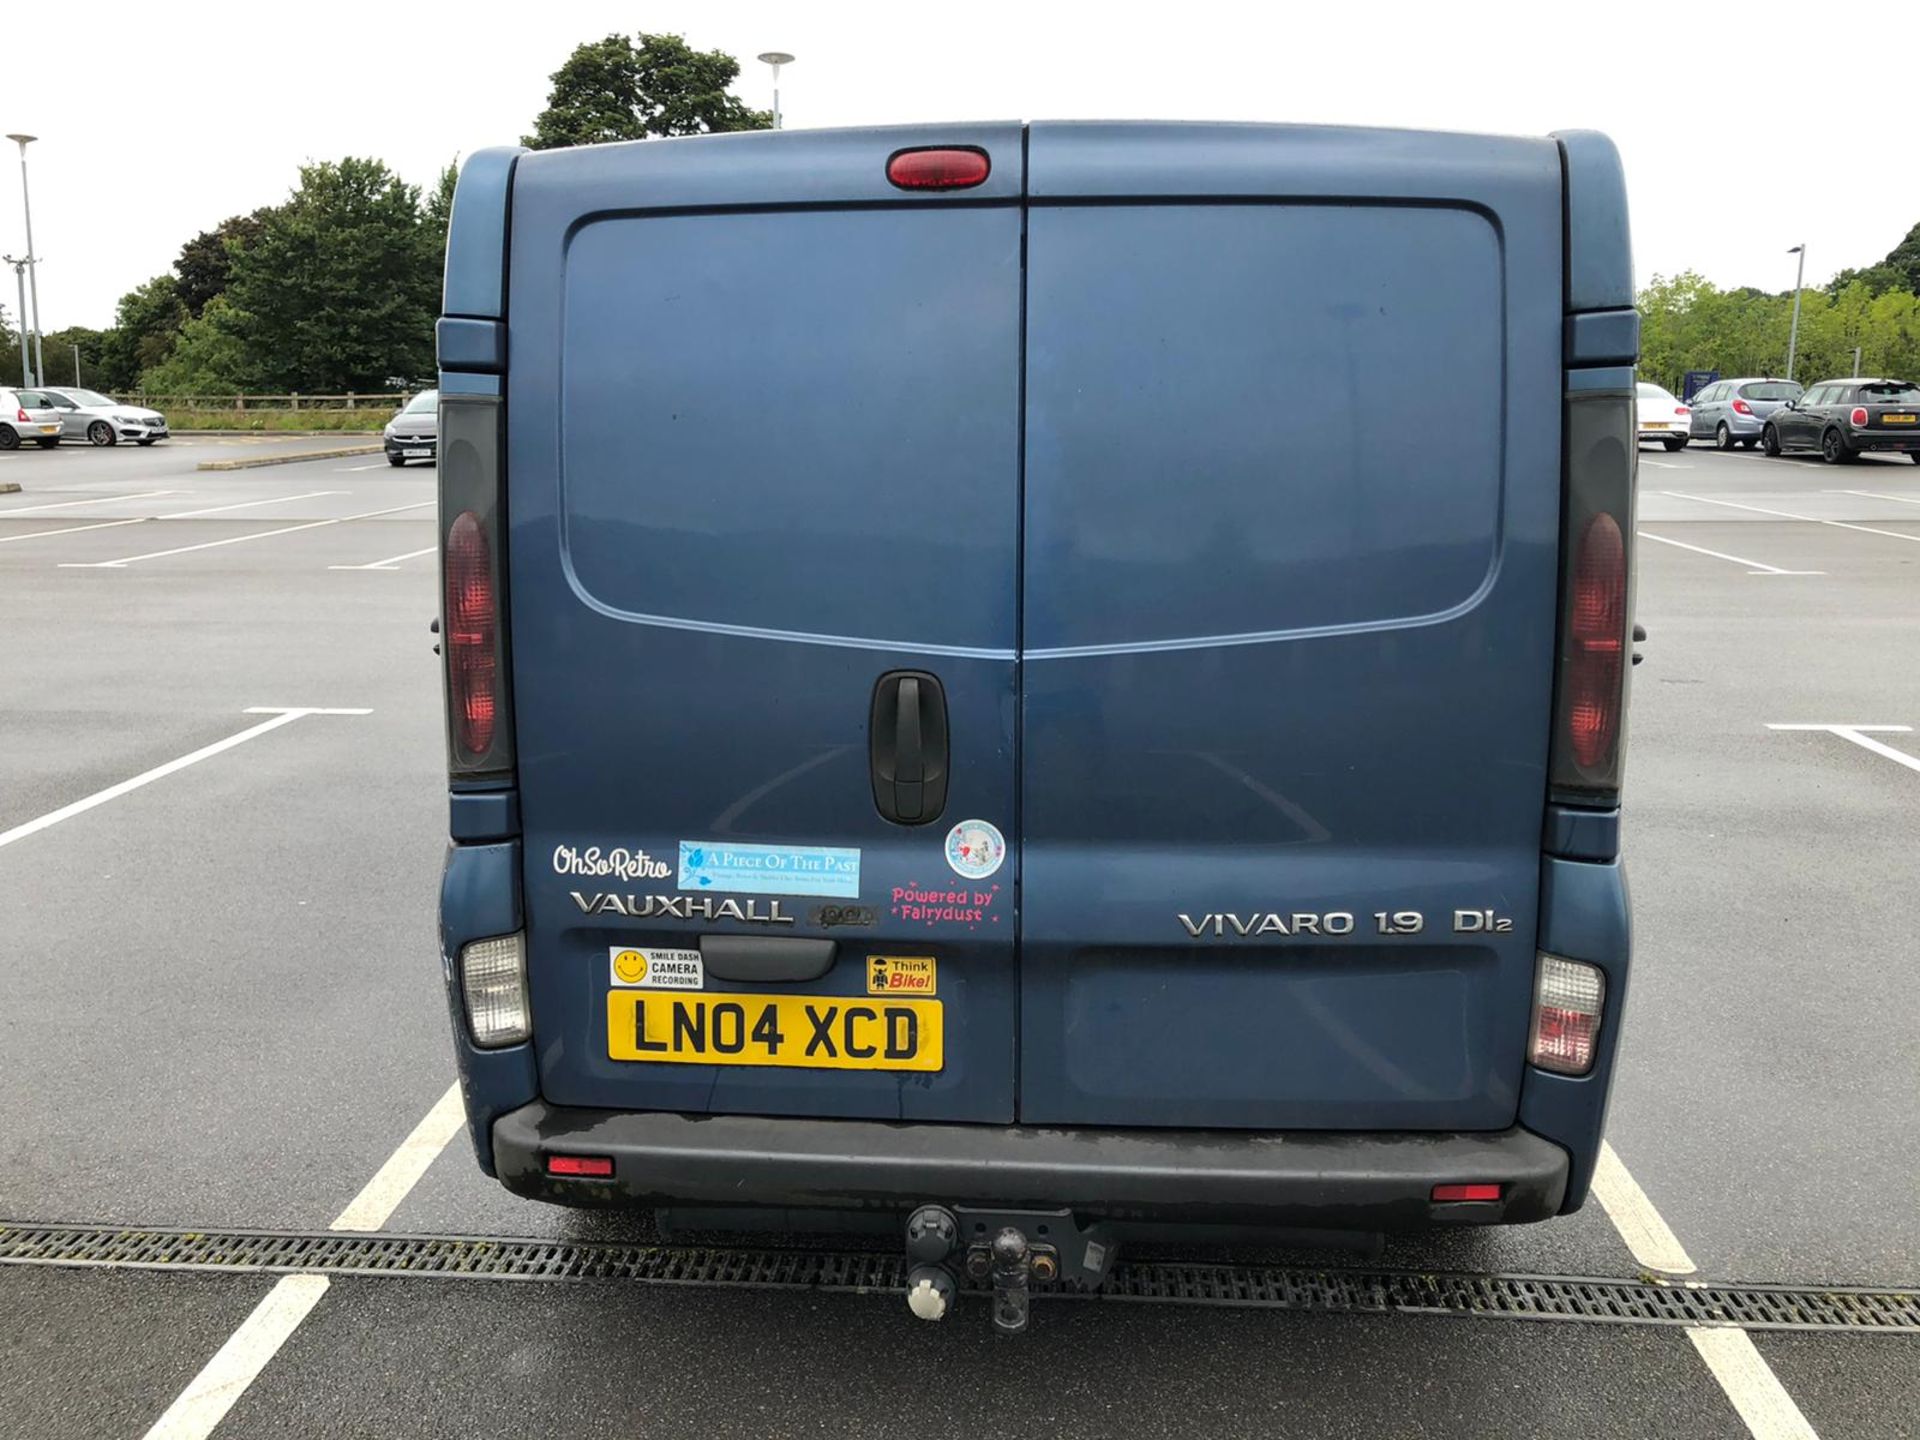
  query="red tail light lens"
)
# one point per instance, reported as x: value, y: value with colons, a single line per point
x: 21, y: 414
x: 1681, y: 410
x: 1597, y: 627
x: 1741, y: 407
x: 584, y: 1167
x: 1454, y: 1194
x: 938, y: 169
x: 472, y: 627
x: 1859, y: 415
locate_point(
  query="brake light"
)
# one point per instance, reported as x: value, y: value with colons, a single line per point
x: 1859, y: 415
x: 21, y: 414
x: 1445, y: 1194
x: 473, y: 621
x: 1681, y: 410
x: 1740, y: 407
x: 1589, y: 715
x: 1567, y: 1000
x: 584, y: 1167
x: 946, y: 168
x: 1598, y: 629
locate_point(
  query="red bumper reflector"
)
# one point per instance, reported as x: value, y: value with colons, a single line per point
x: 1447, y: 1193
x: 943, y: 169
x: 585, y: 1167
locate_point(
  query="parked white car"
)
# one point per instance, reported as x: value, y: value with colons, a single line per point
x: 1662, y: 416
x: 28, y: 415
x: 89, y: 415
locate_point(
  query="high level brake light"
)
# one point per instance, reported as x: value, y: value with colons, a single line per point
x: 1567, y: 1000
x: 938, y: 168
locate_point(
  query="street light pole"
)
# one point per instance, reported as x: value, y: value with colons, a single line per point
x: 776, y: 58
x: 1793, y: 335
x: 20, y: 281
x: 33, y: 263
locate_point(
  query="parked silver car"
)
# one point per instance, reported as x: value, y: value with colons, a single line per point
x: 89, y: 415
x: 27, y: 415
x: 414, y: 434
x: 1734, y: 412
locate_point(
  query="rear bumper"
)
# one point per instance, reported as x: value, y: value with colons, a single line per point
x: 1880, y: 441
x: 1307, y: 1180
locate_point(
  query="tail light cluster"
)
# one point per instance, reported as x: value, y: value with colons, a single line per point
x: 1858, y: 417
x: 1741, y: 407
x: 479, y: 708
x: 1595, y: 599
x: 1568, y: 997
x: 20, y: 414
x: 1682, y: 410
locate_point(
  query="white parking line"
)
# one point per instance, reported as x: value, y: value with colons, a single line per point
x: 97, y: 500
x: 1653, y: 1244
x: 74, y: 529
x: 281, y: 716
x: 1789, y: 515
x: 225, y: 1378
x: 1876, y: 495
x: 1663, y: 464
x: 249, y: 504
x: 391, y: 563
x: 235, y: 1366
x: 1853, y: 733
x: 349, y: 469
x: 1729, y: 1352
x: 375, y: 1204
x: 1756, y: 1392
x: 1757, y: 567
x: 121, y: 564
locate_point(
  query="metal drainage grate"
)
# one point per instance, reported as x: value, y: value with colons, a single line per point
x: 1514, y: 1297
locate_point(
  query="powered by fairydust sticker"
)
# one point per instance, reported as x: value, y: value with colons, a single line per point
x: 975, y: 849
x: 936, y: 905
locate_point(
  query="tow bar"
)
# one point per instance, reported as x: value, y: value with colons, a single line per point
x: 1007, y: 1249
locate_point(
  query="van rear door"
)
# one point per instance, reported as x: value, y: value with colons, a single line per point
x: 1291, y: 545
x: 763, y: 454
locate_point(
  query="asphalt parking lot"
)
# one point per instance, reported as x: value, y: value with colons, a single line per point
x: 221, y: 1008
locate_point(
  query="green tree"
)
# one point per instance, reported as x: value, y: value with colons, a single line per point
x: 206, y: 260
x: 339, y: 290
x: 439, y: 213
x: 146, y: 322
x: 60, y: 346
x: 209, y: 356
x: 614, y: 89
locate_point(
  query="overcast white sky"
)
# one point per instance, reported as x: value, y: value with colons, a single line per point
x: 157, y: 124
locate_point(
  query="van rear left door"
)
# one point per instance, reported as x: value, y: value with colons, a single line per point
x: 763, y: 452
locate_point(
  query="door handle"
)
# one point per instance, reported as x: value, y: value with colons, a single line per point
x: 907, y: 739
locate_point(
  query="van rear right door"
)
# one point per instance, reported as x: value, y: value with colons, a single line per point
x: 1288, y: 607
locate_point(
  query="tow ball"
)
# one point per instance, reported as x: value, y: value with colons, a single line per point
x: 1009, y: 1249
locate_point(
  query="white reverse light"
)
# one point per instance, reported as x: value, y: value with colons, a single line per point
x: 1567, y: 999
x: 493, y: 976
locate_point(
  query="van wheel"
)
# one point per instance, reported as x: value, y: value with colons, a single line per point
x: 398, y: 462
x: 101, y: 433
x: 1833, y: 448
x: 1770, y: 441
x: 9, y: 438
x: 1674, y: 442
x: 1722, y: 437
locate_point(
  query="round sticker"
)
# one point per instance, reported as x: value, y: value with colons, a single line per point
x: 975, y: 848
x: 630, y: 966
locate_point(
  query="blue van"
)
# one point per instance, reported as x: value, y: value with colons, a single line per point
x: 1033, y: 680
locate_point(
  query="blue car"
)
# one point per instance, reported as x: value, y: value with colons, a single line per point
x: 974, y: 706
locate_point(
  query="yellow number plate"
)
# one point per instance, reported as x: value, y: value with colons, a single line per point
x: 1654, y: 425
x: 1897, y: 419
x: 811, y: 1032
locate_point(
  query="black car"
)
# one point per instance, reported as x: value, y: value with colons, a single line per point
x: 1842, y: 419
